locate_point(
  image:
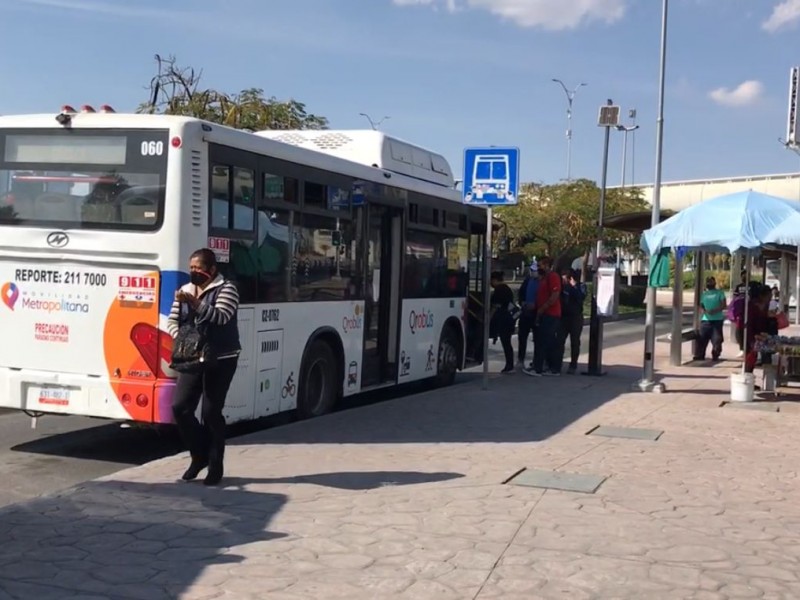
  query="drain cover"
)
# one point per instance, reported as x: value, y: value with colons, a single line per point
x: 766, y: 407
x: 557, y: 480
x: 630, y: 433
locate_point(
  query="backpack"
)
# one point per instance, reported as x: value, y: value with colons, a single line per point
x: 191, y: 351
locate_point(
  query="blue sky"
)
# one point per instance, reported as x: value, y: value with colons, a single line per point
x: 449, y: 73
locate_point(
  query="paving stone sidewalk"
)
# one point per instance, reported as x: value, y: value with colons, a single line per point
x: 405, y: 499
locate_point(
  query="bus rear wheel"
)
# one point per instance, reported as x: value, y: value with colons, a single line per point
x: 317, y: 389
x: 448, y: 358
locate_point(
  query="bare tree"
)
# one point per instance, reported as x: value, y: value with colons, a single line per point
x: 176, y: 90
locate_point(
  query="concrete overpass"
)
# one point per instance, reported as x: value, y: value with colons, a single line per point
x: 677, y: 195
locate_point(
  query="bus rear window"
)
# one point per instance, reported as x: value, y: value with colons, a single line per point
x: 45, y: 181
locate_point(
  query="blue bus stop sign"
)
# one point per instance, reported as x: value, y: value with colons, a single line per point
x: 491, y: 176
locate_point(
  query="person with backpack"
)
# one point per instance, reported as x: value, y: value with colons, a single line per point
x: 205, y: 332
x: 573, y: 294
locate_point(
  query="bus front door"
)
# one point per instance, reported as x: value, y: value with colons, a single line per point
x: 383, y: 253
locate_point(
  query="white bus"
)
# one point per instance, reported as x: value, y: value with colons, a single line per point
x: 351, y: 251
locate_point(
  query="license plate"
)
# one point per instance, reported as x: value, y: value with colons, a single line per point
x: 50, y: 396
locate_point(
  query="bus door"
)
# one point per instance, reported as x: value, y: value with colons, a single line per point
x: 383, y: 252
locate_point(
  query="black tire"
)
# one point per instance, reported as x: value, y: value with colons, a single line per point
x: 318, y: 386
x: 448, y: 358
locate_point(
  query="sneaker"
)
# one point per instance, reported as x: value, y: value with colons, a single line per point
x: 531, y: 373
x: 508, y: 371
x: 551, y: 374
x: 571, y: 371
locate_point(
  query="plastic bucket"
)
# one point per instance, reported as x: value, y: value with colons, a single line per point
x: 742, y: 387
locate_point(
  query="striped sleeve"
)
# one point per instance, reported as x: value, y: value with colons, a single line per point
x: 224, y: 307
x: 173, y: 322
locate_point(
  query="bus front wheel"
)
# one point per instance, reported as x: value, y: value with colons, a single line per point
x: 448, y: 358
x: 317, y: 391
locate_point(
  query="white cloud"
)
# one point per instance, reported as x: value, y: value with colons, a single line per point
x: 785, y: 14
x: 547, y: 14
x: 103, y: 8
x: 746, y: 94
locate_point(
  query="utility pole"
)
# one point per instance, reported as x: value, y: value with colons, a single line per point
x: 648, y: 383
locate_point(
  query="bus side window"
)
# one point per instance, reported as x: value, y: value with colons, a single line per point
x: 220, y: 196
x: 243, y: 199
x: 272, y: 254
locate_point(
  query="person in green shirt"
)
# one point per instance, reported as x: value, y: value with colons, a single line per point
x: 712, y: 308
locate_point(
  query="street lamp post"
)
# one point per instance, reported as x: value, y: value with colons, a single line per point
x: 647, y: 382
x: 625, y: 130
x: 372, y: 123
x: 632, y: 117
x: 570, y: 98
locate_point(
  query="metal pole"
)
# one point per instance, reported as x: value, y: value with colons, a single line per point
x: 699, y: 285
x: 596, y: 322
x: 624, y: 156
x: 648, y: 383
x: 797, y: 288
x: 633, y: 148
x: 487, y: 294
x: 569, y: 138
x: 676, y: 338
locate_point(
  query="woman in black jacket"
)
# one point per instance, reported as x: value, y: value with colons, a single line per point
x: 501, y: 323
x: 211, y: 299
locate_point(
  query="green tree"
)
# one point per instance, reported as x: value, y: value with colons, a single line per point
x: 176, y: 90
x: 561, y: 220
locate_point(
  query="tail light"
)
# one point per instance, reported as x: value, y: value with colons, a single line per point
x: 126, y: 399
x: 142, y: 400
x: 145, y: 338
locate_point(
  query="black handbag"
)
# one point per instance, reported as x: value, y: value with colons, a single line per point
x: 191, y: 351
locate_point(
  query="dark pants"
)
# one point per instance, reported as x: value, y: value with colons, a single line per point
x: 740, y: 337
x: 571, y: 327
x: 546, y: 347
x: 710, y: 331
x: 527, y: 327
x: 508, y: 349
x: 206, y: 441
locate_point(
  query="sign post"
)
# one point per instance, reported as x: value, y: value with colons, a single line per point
x: 608, y: 118
x: 491, y: 178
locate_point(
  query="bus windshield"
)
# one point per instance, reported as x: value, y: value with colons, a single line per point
x: 83, y: 179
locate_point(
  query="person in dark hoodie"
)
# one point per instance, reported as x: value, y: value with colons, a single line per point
x: 573, y: 294
x: 527, y: 318
x: 501, y: 323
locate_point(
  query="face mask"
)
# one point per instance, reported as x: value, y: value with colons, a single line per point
x: 199, y: 277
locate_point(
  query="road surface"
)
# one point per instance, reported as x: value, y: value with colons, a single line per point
x: 64, y: 451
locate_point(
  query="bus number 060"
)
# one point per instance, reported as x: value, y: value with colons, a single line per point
x: 152, y: 148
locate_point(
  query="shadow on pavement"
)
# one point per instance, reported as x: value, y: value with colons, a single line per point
x: 352, y: 480
x: 516, y: 408
x: 110, y: 539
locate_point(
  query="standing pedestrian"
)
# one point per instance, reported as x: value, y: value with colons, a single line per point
x: 548, y: 315
x: 527, y: 318
x: 573, y: 294
x: 209, y: 303
x: 502, y: 322
x: 712, y: 307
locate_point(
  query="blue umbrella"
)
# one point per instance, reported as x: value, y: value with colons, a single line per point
x: 740, y: 221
